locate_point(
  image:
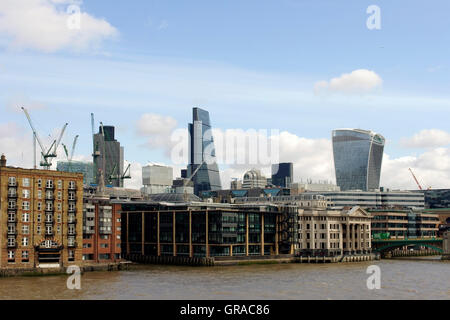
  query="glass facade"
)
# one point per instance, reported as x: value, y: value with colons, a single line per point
x: 201, y: 148
x: 86, y: 168
x: 282, y: 174
x: 358, y: 155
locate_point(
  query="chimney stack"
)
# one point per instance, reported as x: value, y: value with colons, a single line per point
x: 3, y: 161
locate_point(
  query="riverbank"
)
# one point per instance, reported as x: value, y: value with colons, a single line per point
x: 87, y: 267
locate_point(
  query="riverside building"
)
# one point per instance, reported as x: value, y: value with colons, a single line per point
x: 40, y: 218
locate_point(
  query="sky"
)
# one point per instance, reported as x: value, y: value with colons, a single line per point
x: 300, y: 67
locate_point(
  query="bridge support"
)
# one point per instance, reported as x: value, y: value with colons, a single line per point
x: 446, y: 246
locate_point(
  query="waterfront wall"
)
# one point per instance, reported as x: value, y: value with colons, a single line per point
x: 61, y: 271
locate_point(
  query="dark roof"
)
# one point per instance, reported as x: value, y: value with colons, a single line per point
x: 173, y: 197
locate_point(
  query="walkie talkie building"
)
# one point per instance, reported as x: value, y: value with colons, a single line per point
x: 202, y: 153
x: 358, y: 156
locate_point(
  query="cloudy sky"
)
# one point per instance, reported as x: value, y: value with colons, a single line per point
x: 300, y: 67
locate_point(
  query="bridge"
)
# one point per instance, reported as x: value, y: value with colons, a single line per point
x: 386, y: 245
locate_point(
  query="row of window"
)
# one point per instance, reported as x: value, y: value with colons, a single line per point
x: 12, y: 181
x: 12, y: 205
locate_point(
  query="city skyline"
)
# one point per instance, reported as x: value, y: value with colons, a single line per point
x: 134, y: 73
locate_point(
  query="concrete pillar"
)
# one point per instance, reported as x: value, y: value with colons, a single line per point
x: 276, y: 234
x: 142, y: 233
x: 262, y: 233
x: 158, y: 244
x: 173, y: 235
x: 191, y: 251
x: 207, y: 234
x: 246, y: 234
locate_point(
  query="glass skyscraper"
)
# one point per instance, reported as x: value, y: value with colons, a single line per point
x: 202, y: 153
x: 358, y: 155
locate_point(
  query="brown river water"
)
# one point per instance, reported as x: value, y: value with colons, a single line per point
x: 400, y: 279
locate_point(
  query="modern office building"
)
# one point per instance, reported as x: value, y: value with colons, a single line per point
x: 157, y: 179
x: 254, y: 179
x: 374, y: 199
x: 282, y: 174
x: 40, y: 218
x: 202, y: 153
x: 86, y: 168
x: 108, y: 157
x: 235, y: 184
x: 299, y: 187
x: 358, y: 156
x: 437, y: 198
x: 401, y: 224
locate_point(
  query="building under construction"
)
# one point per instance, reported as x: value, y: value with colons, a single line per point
x: 108, y: 157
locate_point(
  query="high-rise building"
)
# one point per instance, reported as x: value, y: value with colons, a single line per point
x: 86, y: 168
x: 358, y: 155
x: 40, y: 218
x: 282, y: 174
x: 157, y: 179
x: 202, y: 153
x: 108, y: 157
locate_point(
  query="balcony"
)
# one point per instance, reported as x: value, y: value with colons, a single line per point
x: 49, y: 233
x: 12, y: 232
x: 72, y: 233
x: 50, y: 187
x: 12, y: 219
x: 72, y: 244
x: 49, y: 197
x: 12, y: 195
x: 12, y: 184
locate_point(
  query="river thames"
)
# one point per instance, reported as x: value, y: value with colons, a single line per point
x: 400, y: 279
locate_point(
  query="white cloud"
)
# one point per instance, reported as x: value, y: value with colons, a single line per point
x: 17, y: 101
x: 357, y: 82
x: 431, y: 138
x: 43, y: 25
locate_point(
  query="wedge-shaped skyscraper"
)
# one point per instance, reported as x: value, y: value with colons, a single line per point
x: 358, y: 155
x: 202, y: 153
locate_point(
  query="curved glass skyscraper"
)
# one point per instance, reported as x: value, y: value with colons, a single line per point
x: 358, y: 155
x: 202, y: 153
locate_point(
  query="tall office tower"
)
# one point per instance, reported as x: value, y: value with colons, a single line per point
x: 109, y: 157
x: 202, y: 153
x: 358, y: 155
x: 86, y: 168
x: 282, y: 174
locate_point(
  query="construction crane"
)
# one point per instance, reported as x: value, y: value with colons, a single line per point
x: 115, y: 176
x: 47, y: 155
x: 186, y: 181
x: 415, y: 179
x: 95, y: 151
x: 66, y: 151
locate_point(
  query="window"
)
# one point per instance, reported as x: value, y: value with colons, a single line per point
x: 39, y: 183
x: 104, y: 237
x: 25, y: 242
x: 25, y: 205
x: 11, y: 255
x: 39, y: 206
x: 58, y: 218
x: 26, y: 217
x: 26, y: 194
x: 49, y: 230
x: 38, y: 229
x: 71, y: 195
x: 24, y: 255
x: 49, y: 184
x: 71, y: 229
x: 59, y: 195
x: 25, y: 229
x: 11, y: 217
x: 12, y: 204
x: 39, y: 218
x: 103, y: 245
x: 71, y: 184
x: 11, y: 242
x: 49, y: 206
x: 59, y: 184
x: 12, y: 181
x: 58, y: 229
x: 59, y: 206
x: 39, y: 194
x: 26, y: 182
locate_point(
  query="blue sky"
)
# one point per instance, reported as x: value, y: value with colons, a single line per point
x: 252, y: 64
